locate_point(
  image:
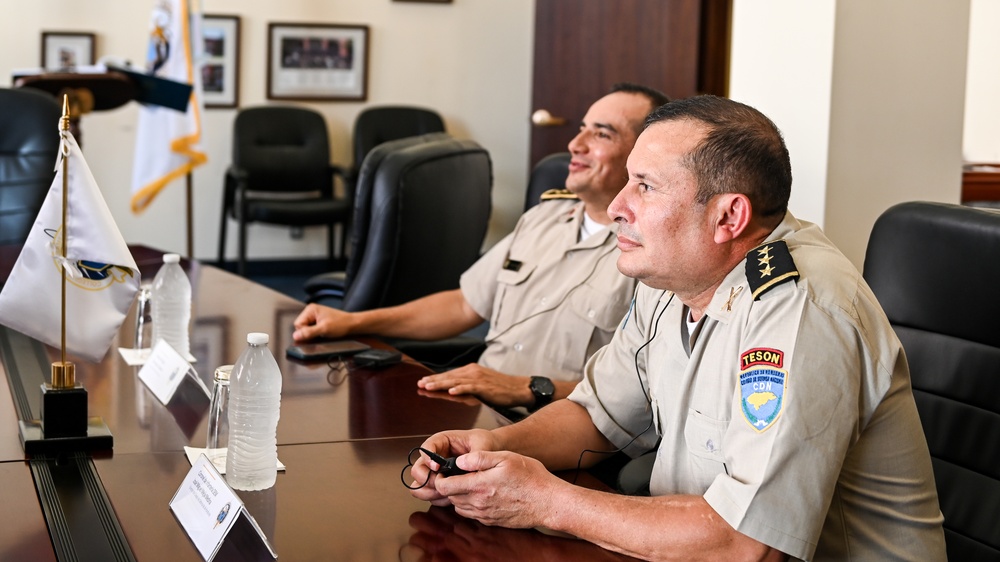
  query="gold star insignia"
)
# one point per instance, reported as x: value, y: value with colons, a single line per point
x: 733, y: 293
x: 766, y: 260
x: 766, y: 271
x: 766, y: 250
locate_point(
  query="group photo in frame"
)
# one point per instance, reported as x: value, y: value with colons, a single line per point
x: 307, y: 61
x: 220, y: 69
x: 66, y: 50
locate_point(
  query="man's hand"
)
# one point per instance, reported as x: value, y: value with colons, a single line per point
x: 318, y: 321
x: 446, y: 444
x: 502, y: 488
x: 488, y: 385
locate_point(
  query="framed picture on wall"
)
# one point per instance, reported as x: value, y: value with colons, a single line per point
x: 66, y: 50
x: 220, y: 71
x: 320, y: 62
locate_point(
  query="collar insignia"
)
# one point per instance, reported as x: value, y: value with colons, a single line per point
x: 768, y: 265
x: 733, y: 293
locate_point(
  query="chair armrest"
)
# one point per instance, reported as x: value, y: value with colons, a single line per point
x: 332, y: 284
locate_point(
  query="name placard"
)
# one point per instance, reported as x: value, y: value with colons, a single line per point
x: 164, y: 370
x: 207, y: 509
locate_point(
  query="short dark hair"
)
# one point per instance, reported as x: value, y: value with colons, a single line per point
x: 656, y: 98
x: 743, y: 152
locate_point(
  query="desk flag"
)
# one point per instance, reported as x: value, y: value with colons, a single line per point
x: 101, y: 276
x: 167, y: 141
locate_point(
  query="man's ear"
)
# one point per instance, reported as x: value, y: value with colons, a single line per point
x: 732, y: 216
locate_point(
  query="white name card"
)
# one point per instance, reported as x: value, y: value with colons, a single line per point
x: 164, y: 370
x: 207, y: 509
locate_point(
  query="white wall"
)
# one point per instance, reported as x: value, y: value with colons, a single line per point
x: 871, y: 107
x: 782, y: 60
x: 469, y: 60
x: 982, y: 96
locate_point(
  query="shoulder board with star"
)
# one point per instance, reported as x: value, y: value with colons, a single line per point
x: 557, y: 194
x: 769, y: 265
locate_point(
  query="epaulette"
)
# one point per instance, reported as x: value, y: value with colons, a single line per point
x: 557, y: 194
x: 769, y: 265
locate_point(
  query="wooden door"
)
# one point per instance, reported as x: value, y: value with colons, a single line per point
x: 582, y: 47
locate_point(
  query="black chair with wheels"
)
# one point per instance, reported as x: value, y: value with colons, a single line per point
x: 549, y: 173
x: 935, y: 269
x: 281, y: 174
x: 376, y: 125
x: 29, y: 145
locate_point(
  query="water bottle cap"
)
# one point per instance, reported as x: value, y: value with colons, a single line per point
x: 171, y: 258
x: 222, y: 372
x: 257, y: 338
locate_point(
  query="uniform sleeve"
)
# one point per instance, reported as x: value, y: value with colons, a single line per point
x: 794, y: 414
x: 614, y: 388
x: 479, y: 282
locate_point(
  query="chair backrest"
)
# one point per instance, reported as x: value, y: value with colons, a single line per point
x: 29, y: 144
x: 361, y: 216
x: 549, y: 173
x: 282, y: 148
x: 429, y: 210
x: 377, y: 125
x: 935, y: 269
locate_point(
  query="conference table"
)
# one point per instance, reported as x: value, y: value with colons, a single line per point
x: 344, y: 436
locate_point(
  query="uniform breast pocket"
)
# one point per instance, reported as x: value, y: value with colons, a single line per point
x: 582, y: 325
x: 511, y: 297
x: 703, y: 436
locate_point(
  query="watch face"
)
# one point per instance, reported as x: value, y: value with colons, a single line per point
x: 542, y: 386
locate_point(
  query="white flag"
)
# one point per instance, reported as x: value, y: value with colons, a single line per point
x: 167, y: 141
x: 101, y: 276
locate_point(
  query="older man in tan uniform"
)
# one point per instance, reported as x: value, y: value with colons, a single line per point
x: 755, y: 361
x: 550, y: 289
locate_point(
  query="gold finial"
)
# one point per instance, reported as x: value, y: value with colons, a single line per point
x: 63, y: 375
x: 64, y: 122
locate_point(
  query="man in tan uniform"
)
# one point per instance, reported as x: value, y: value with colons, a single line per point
x: 550, y: 289
x: 754, y: 360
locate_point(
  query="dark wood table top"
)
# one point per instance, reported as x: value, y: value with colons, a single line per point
x: 335, y: 501
x: 344, y: 436
x: 23, y: 533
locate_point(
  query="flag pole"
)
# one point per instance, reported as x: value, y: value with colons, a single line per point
x: 64, y: 373
x: 190, y: 212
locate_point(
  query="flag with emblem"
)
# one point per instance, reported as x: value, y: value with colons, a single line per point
x: 167, y: 140
x: 101, y: 276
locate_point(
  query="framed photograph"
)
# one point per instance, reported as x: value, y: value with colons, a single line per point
x: 220, y: 71
x: 66, y: 50
x: 319, y: 62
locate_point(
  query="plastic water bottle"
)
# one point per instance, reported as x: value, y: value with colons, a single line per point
x: 254, y: 408
x: 172, y: 305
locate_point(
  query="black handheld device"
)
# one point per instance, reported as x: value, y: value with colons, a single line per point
x: 377, y: 358
x: 320, y: 351
x: 448, y: 466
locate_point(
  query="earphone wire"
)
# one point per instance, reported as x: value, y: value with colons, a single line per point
x: 638, y: 374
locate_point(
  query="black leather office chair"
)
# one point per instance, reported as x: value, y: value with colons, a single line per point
x: 380, y: 124
x: 29, y: 145
x: 935, y: 269
x: 549, y: 173
x: 429, y: 210
x: 333, y: 285
x: 281, y: 174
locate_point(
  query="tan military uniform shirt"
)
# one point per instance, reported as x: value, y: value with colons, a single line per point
x: 791, y: 414
x: 551, y: 301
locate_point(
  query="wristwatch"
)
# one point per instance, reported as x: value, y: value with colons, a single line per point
x: 543, y: 389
